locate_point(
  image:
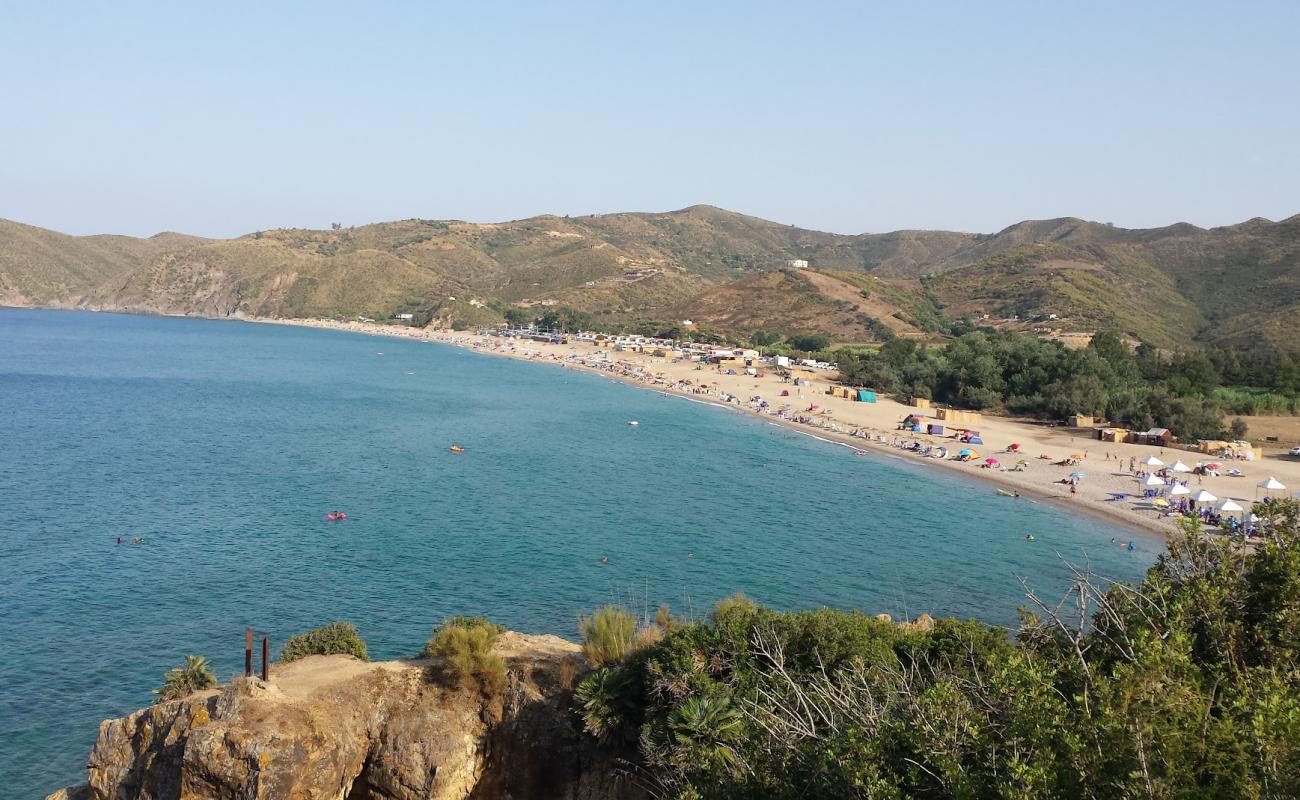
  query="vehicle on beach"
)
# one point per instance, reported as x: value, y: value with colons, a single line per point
x: 1294, y: 452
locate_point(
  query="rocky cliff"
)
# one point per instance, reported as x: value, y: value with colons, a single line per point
x: 335, y: 728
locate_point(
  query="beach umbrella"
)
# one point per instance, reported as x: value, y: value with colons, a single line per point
x: 1179, y: 489
x: 966, y: 452
x: 1203, y: 497
x: 1153, y: 480
x: 1180, y: 467
x: 1152, y: 461
x: 990, y: 461
x: 1160, y: 502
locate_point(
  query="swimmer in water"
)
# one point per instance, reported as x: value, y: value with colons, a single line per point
x: 119, y: 540
x: 604, y: 559
x: 691, y: 554
x: 1015, y: 494
x: 1029, y: 537
x: 1112, y: 540
x: 1130, y: 546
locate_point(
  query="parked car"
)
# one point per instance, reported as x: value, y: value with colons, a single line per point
x: 1295, y: 451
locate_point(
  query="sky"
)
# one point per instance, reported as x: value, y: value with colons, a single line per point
x: 219, y: 119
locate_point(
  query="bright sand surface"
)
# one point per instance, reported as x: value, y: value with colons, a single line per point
x: 876, y: 425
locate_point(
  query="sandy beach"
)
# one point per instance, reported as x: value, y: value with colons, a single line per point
x: 875, y: 427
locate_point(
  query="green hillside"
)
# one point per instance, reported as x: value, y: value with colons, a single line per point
x: 1236, y: 285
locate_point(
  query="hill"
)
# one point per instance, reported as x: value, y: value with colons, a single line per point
x: 1237, y: 285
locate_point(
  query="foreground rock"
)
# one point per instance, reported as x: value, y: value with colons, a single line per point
x: 334, y: 728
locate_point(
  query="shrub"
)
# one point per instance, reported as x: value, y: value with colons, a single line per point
x: 607, y: 635
x: 334, y: 638
x: 606, y: 705
x: 465, y: 646
x: 646, y: 636
x: 195, y: 674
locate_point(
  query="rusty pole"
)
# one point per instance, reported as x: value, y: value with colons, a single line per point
x: 265, y: 650
x: 248, y: 652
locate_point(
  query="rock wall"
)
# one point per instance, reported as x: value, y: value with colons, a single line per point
x: 334, y: 728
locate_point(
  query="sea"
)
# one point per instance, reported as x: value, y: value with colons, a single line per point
x: 224, y: 445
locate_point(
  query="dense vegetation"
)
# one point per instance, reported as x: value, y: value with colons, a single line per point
x: 1187, y: 392
x: 334, y: 638
x: 1187, y: 685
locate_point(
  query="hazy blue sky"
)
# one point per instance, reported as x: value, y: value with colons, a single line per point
x: 222, y: 118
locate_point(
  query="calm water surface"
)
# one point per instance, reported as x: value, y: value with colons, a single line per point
x: 224, y: 444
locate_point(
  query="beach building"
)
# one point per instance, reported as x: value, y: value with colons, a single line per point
x: 796, y: 263
x: 1117, y: 435
x: 955, y: 416
x: 1160, y: 437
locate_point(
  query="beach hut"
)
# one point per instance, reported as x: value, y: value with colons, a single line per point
x: 1080, y: 421
x: 920, y: 402
x: 865, y: 396
x: 1156, y: 436
x: 1119, y: 435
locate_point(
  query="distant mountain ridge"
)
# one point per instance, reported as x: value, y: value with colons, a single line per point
x: 1238, y: 284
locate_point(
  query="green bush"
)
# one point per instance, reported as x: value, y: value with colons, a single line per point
x: 195, y: 674
x: 464, y: 645
x: 607, y: 635
x: 334, y: 638
x: 1186, y: 685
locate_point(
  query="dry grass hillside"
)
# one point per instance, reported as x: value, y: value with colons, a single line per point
x: 1238, y: 284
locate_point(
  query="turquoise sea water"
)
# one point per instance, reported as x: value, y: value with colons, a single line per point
x: 224, y: 444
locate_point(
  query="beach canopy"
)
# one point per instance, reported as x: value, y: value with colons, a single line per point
x: 1152, y: 461
x: 1180, y: 467
x: 1203, y: 497
x: 975, y: 440
x: 1271, y: 483
x: 1153, y: 480
x: 1179, y: 489
x: 1229, y: 505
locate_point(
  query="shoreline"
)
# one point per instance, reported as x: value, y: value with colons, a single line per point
x: 1123, y: 516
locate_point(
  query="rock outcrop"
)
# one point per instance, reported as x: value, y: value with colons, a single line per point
x: 335, y: 728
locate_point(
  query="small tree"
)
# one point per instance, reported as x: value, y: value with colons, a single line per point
x: 195, y: 674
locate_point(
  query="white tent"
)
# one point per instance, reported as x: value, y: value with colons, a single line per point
x: 1271, y: 483
x: 1180, y: 467
x: 1153, y: 480
x: 1203, y: 497
x: 1179, y: 489
x: 1152, y: 461
x: 1228, y: 506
